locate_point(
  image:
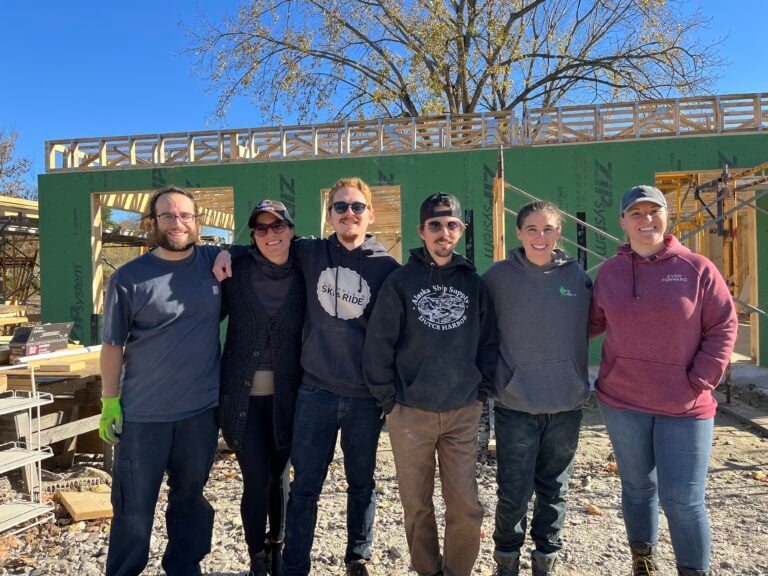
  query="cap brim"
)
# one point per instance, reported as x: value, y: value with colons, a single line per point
x: 651, y: 200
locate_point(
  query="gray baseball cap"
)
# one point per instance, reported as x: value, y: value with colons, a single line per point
x: 642, y: 194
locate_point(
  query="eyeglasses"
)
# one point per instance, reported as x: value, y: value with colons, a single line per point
x: 342, y: 207
x: 168, y: 218
x: 436, y: 226
x: 276, y: 227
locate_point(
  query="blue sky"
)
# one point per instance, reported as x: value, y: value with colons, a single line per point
x: 87, y: 69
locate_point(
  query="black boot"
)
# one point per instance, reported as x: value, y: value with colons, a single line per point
x: 275, y: 551
x: 643, y: 559
x: 259, y: 563
x: 692, y: 572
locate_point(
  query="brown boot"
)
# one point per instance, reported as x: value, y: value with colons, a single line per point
x: 643, y: 559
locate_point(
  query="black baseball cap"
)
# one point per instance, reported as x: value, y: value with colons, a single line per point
x: 435, y: 206
x: 273, y: 207
x: 642, y: 194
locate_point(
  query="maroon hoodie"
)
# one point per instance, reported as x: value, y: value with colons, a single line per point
x: 670, y: 328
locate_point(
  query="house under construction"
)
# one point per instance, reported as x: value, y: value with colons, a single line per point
x: 706, y: 153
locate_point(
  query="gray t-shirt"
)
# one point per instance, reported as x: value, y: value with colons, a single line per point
x: 166, y: 314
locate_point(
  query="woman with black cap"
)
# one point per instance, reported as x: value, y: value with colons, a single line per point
x: 260, y: 375
x: 670, y: 327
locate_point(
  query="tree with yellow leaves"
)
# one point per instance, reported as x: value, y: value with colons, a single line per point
x: 310, y: 60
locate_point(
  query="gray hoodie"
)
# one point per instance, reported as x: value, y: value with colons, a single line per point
x: 542, y: 316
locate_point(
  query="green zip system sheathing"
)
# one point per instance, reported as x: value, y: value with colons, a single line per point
x: 586, y: 178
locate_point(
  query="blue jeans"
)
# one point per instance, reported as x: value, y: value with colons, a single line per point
x: 535, y: 453
x: 663, y: 458
x: 185, y: 449
x: 320, y: 415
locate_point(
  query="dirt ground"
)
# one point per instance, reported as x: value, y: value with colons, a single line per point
x: 595, y: 543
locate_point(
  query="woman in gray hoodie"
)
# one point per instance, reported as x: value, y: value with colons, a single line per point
x: 541, y: 298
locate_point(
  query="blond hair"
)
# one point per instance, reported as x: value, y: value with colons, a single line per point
x: 352, y: 182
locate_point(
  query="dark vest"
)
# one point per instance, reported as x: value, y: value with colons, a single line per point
x: 248, y: 332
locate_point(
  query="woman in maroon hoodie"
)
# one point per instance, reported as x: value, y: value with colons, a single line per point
x: 670, y: 327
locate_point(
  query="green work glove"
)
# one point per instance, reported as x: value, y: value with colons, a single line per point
x: 111, y: 422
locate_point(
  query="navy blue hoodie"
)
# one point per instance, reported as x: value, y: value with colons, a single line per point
x: 342, y: 286
x: 431, y: 342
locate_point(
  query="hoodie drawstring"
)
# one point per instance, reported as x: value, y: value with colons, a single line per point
x: 634, y: 286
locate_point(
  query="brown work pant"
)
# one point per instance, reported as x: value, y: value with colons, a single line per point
x: 415, y: 435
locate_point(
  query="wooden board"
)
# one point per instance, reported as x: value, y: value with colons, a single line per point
x: 86, y: 505
x: 745, y: 413
x: 73, y: 366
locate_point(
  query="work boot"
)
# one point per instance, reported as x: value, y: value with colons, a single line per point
x: 643, y: 559
x: 691, y: 572
x: 275, y: 553
x: 543, y: 564
x: 357, y: 568
x: 507, y: 565
x: 259, y: 563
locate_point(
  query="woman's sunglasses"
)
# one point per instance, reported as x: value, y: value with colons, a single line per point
x: 276, y: 227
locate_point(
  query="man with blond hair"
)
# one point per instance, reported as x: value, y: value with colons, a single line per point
x: 342, y: 275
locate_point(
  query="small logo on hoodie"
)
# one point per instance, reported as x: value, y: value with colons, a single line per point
x: 441, y: 308
x: 675, y: 278
x: 343, y: 292
x: 566, y: 292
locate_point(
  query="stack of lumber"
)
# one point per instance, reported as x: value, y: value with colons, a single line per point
x: 12, y: 314
x: 62, y: 370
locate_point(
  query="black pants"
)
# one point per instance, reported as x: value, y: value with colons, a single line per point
x: 265, y: 486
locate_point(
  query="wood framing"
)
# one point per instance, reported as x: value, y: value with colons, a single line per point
x: 736, y: 113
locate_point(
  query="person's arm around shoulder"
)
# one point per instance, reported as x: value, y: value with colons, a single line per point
x: 719, y: 327
x: 222, y: 266
x: 379, y: 353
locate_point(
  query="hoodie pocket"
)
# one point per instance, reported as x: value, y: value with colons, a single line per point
x: 334, y: 354
x: 650, y: 386
x: 544, y: 387
x: 443, y: 383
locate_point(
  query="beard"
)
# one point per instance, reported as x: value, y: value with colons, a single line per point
x: 164, y: 241
x: 442, y: 251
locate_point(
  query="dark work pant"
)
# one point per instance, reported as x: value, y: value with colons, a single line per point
x: 263, y: 467
x: 185, y: 449
x: 535, y: 453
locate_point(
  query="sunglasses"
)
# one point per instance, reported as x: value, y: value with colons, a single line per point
x: 436, y: 226
x: 342, y: 207
x: 276, y: 227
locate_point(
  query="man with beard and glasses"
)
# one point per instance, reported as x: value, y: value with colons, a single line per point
x: 342, y: 276
x: 160, y: 389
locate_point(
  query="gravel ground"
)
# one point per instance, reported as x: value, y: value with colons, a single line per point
x: 595, y: 543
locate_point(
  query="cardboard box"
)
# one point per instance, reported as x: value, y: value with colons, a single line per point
x: 33, y: 340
